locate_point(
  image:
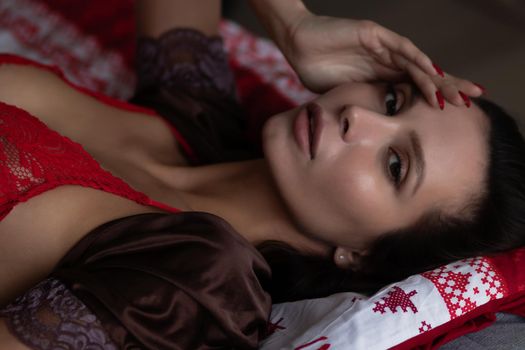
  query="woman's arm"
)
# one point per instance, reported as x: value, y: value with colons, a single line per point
x: 279, y: 18
x: 327, y: 51
x: 155, y: 17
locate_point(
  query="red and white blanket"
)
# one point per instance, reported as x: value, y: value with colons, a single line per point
x: 92, y: 42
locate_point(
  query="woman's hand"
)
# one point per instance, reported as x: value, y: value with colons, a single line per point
x: 327, y: 51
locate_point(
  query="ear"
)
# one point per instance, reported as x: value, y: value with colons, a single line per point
x: 346, y: 258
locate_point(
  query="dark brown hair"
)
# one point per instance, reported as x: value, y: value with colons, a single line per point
x: 496, y: 223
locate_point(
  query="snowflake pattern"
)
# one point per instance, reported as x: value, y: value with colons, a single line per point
x: 425, y: 327
x: 396, y: 297
x: 457, y: 288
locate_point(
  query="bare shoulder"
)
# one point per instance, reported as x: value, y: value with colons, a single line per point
x: 26, y: 86
x: 47, y: 96
x: 36, y: 234
x: 42, y: 93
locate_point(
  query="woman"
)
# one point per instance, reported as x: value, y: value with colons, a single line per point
x: 130, y: 262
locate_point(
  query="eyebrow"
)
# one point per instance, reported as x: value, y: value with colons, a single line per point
x: 415, y: 93
x: 415, y: 142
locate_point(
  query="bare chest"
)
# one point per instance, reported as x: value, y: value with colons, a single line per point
x: 126, y: 143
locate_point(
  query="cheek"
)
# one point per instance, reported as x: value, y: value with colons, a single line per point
x: 353, y: 208
x: 353, y: 191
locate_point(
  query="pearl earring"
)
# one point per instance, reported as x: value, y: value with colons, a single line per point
x: 341, y: 257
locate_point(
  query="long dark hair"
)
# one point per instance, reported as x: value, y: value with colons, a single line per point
x: 495, y: 223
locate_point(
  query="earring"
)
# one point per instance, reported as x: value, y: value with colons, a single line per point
x: 341, y: 257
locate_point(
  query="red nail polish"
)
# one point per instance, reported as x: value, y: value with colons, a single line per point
x: 438, y: 70
x: 465, y: 98
x: 440, y: 99
x: 483, y: 90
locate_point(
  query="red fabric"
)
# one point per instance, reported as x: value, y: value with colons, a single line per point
x: 98, y: 18
x: 112, y: 22
x: 260, y: 100
x: 34, y: 158
x: 476, y: 320
x: 510, y: 266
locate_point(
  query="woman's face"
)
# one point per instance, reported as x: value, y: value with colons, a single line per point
x: 373, y: 172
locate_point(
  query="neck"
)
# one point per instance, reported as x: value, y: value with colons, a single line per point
x: 245, y: 195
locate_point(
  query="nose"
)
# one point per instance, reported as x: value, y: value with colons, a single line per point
x: 357, y: 123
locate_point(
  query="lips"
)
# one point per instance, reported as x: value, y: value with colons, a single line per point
x: 315, y: 127
x: 307, y: 128
x: 311, y: 129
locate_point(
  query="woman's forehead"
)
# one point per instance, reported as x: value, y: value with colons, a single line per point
x: 455, y: 146
x: 458, y: 125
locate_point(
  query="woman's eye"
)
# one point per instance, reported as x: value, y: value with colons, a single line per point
x: 391, y: 100
x: 394, y: 166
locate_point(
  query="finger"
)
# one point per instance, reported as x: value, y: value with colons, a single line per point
x: 422, y: 80
x: 450, y: 92
x: 469, y: 88
x: 457, y: 91
x: 405, y: 47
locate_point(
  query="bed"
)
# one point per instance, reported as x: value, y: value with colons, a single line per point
x: 93, y: 44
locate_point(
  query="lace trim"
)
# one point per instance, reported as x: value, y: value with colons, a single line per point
x: 49, y: 316
x: 185, y: 58
x: 34, y: 159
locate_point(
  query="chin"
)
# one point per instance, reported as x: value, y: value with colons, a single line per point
x: 274, y: 134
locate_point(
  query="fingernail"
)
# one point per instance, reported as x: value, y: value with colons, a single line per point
x: 484, y: 91
x: 465, y: 98
x: 438, y: 70
x: 440, y: 99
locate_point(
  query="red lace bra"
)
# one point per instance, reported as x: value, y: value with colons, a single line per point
x: 34, y: 158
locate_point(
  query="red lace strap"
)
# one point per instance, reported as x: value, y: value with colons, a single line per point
x: 34, y: 159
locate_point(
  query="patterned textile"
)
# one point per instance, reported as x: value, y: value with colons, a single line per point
x: 184, y: 76
x: 49, y: 317
x: 89, y: 51
x: 457, y: 296
x: 185, y: 58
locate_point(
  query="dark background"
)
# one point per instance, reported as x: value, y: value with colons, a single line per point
x: 482, y: 40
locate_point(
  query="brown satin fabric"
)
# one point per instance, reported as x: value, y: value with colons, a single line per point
x: 171, y: 281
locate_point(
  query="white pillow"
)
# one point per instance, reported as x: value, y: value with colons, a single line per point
x: 393, y: 315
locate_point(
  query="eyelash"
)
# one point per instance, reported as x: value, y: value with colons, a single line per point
x: 391, y: 105
x: 399, y: 169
